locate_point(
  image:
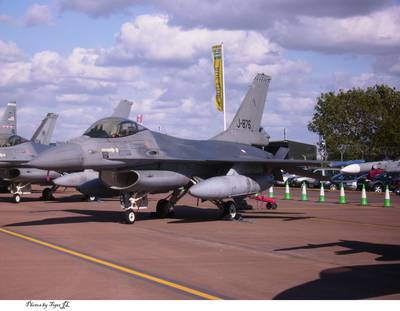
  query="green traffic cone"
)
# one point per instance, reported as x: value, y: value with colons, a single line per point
x: 271, y: 192
x: 386, y: 201
x: 287, y: 195
x: 322, y: 194
x: 342, y: 197
x: 364, y: 200
x: 304, y: 196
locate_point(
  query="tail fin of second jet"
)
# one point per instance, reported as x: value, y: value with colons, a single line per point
x: 45, y: 130
x: 123, y: 109
x: 8, y: 123
x: 246, y: 125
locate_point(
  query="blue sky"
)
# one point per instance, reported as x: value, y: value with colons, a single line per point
x: 79, y: 58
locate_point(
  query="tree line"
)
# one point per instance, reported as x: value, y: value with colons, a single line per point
x: 358, y: 123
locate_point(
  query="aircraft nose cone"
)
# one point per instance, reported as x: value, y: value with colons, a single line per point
x: 351, y: 169
x: 68, y: 156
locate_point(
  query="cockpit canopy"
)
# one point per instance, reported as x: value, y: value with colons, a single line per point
x: 13, y: 141
x: 113, y: 127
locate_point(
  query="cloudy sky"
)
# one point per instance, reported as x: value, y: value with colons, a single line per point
x: 79, y: 58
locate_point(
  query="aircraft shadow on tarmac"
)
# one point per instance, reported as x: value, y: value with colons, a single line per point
x: 386, y: 252
x: 189, y: 214
x: 183, y: 214
x: 352, y: 282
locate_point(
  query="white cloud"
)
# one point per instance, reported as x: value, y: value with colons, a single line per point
x: 151, y: 37
x: 36, y: 15
x: 9, y: 52
x: 376, y: 33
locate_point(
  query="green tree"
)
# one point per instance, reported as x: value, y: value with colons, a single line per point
x: 359, y: 123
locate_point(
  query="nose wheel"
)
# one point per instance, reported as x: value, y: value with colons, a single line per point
x: 129, y: 216
x: 16, y: 198
x: 132, y: 203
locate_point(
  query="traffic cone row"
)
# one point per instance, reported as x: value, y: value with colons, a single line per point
x: 342, y: 196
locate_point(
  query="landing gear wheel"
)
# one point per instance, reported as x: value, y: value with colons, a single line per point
x: 164, y: 208
x: 47, y: 194
x: 130, y: 216
x: 230, y: 210
x: 332, y: 187
x: 16, y: 198
x: 270, y: 205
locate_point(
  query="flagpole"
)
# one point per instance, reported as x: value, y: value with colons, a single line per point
x: 223, y: 83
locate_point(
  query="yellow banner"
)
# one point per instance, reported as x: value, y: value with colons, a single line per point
x: 218, y: 76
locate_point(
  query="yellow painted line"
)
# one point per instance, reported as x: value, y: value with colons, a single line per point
x: 114, y: 266
x: 393, y: 227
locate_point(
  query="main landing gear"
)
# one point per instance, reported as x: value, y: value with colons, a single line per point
x: 165, y: 207
x: 47, y: 193
x: 132, y: 203
x: 229, y: 210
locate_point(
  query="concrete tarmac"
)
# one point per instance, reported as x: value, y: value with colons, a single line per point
x: 68, y: 249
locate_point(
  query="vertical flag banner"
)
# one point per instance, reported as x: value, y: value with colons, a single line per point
x: 218, y: 76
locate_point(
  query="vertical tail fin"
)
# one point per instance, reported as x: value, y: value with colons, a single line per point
x: 45, y: 130
x: 123, y: 109
x: 246, y: 125
x: 8, y: 123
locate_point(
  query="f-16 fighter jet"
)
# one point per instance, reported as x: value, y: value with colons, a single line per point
x: 137, y: 161
x: 87, y: 182
x: 17, y: 150
x: 8, y: 123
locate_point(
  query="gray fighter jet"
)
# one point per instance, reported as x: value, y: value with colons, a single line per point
x: 137, y: 161
x: 17, y: 150
x: 8, y: 123
x: 388, y: 166
x: 87, y: 182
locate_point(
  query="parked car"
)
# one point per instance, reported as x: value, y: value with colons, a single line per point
x: 352, y: 182
x: 315, y: 183
x: 379, y: 183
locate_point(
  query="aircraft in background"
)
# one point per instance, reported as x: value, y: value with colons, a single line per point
x: 137, y: 161
x: 388, y: 166
x: 8, y: 123
x: 17, y: 150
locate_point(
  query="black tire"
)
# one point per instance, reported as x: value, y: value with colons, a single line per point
x: 230, y: 210
x: 268, y: 205
x: 377, y: 188
x: 129, y: 216
x: 164, y: 208
x: 274, y: 206
x: 47, y: 194
x: 16, y: 198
